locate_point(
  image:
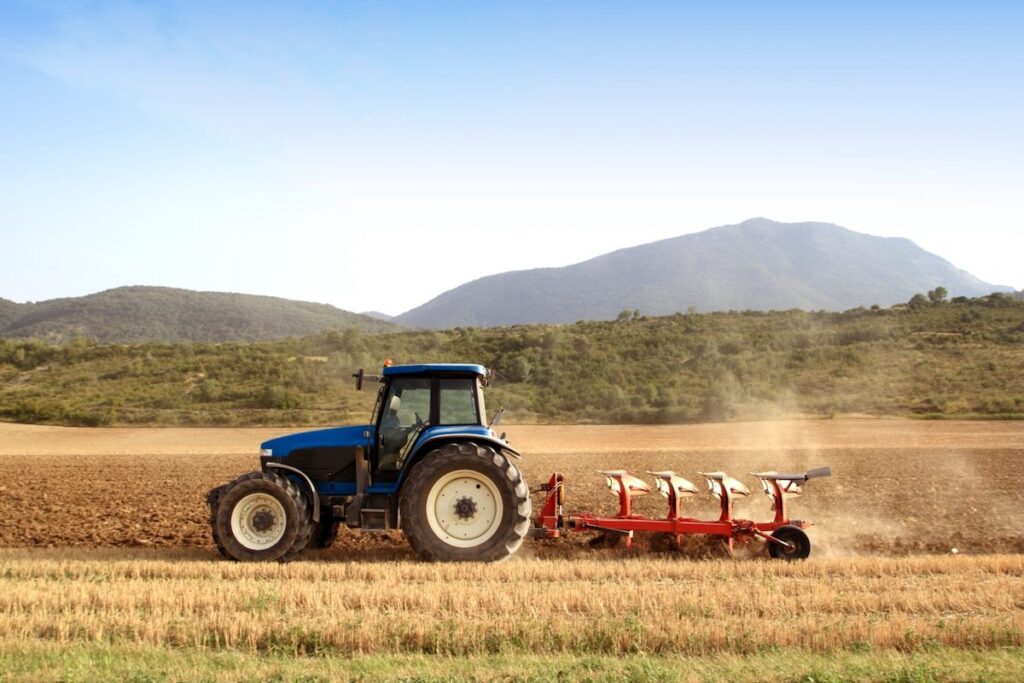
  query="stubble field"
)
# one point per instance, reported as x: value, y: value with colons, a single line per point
x: 107, y: 570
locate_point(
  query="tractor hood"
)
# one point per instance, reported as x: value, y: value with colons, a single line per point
x: 319, y: 438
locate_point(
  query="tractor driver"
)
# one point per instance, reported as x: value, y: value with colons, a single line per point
x: 408, y: 400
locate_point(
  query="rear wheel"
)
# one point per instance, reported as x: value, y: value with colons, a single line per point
x: 799, y: 545
x: 261, y: 516
x: 465, y: 502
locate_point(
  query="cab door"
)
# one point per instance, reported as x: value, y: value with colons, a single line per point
x: 405, y: 412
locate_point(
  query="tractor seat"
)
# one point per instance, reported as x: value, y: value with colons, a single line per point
x: 633, y: 484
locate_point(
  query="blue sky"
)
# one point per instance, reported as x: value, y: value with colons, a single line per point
x: 373, y: 155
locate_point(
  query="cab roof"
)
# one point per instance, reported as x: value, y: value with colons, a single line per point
x: 436, y: 368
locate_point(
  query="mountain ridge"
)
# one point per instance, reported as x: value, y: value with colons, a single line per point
x: 758, y: 264
x: 140, y: 313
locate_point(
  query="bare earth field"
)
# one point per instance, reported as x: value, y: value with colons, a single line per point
x: 899, y: 487
x: 107, y: 572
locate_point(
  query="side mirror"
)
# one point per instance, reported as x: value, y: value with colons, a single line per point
x: 359, y: 379
x: 497, y: 417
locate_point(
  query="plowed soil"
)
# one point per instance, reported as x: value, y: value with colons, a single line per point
x: 899, y: 487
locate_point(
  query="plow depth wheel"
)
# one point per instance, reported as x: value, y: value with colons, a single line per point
x: 465, y: 502
x: 799, y: 544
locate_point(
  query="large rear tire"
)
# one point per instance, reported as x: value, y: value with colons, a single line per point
x: 465, y: 502
x: 261, y: 516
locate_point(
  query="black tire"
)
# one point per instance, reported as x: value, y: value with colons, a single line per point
x: 302, y: 538
x: 325, y: 533
x: 213, y: 500
x: 795, y: 536
x: 295, y: 522
x: 306, y: 528
x: 501, y: 539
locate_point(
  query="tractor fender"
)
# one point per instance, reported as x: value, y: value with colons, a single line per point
x: 309, y: 484
x: 497, y: 444
x: 435, y: 441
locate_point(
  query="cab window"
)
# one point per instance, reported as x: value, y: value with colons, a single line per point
x: 405, y: 412
x: 457, y: 398
x: 407, y: 403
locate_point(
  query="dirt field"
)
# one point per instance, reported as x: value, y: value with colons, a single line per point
x: 107, y: 572
x: 899, y: 487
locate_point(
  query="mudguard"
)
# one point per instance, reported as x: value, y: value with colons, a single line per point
x: 432, y: 440
x: 314, y: 496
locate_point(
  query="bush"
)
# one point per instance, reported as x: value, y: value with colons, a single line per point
x: 279, y: 398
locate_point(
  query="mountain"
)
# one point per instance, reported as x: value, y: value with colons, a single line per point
x: 758, y: 264
x: 134, y: 314
x: 377, y: 315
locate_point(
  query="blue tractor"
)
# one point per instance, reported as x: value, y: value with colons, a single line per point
x: 428, y: 464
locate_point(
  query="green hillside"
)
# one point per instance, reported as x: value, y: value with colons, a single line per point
x: 140, y: 314
x: 948, y: 359
x: 8, y: 312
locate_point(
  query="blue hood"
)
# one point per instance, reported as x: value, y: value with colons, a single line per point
x: 320, y: 438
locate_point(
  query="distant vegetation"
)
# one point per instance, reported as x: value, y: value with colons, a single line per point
x: 928, y: 358
x: 135, y: 314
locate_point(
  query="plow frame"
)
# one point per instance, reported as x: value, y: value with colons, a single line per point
x: 552, y: 519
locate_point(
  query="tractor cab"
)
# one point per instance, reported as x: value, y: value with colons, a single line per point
x: 414, y: 399
x: 428, y: 463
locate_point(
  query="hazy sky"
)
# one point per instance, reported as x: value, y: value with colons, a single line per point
x: 372, y: 155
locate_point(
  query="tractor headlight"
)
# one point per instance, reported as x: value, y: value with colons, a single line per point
x: 266, y: 452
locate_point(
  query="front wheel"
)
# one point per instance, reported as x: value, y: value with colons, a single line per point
x: 261, y: 516
x: 799, y: 545
x: 465, y: 502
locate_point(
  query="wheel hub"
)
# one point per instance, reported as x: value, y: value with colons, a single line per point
x: 258, y: 521
x: 262, y: 520
x: 465, y: 508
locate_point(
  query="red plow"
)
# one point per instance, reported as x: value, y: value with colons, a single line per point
x: 785, y: 537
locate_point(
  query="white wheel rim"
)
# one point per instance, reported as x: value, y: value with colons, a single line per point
x: 464, y: 508
x: 258, y: 521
